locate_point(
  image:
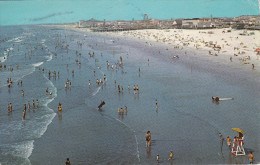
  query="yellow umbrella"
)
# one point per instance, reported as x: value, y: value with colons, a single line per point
x: 238, y: 130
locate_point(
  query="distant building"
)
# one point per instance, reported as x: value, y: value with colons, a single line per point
x: 190, y: 23
x: 90, y: 23
x: 178, y: 24
x: 242, y: 22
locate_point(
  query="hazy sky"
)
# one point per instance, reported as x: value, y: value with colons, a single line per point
x: 66, y: 11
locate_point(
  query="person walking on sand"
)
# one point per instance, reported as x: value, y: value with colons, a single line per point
x: 251, y: 158
x: 68, y: 162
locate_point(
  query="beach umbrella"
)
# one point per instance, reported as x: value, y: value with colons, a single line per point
x: 238, y: 130
x: 257, y: 50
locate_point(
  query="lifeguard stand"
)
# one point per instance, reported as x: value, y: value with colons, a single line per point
x: 237, y: 148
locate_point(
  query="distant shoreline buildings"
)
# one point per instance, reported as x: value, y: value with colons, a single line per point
x: 241, y: 22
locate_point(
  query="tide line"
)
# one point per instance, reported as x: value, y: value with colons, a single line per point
x: 94, y: 93
x: 137, y: 148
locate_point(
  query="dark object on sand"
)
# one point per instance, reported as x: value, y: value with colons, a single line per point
x: 101, y: 104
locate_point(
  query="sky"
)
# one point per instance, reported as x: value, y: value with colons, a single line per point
x: 19, y: 12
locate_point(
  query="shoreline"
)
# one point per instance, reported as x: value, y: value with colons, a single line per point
x: 235, y: 50
x: 186, y: 41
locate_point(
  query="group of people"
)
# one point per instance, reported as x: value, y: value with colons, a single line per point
x: 54, y: 74
x: 1, y: 66
x: 99, y: 82
x: 136, y: 88
x: 148, y: 144
x: 47, y: 91
x: 68, y: 83
x: 238, y: 140
x: 28, y: 107
x: 121, y: 111
x: 9, y: 82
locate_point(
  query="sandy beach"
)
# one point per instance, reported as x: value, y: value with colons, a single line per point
x: 227, y: 44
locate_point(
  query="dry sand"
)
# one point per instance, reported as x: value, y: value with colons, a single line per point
x: 228, y: 44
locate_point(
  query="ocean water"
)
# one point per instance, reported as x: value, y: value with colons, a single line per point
x: 19, y: 12
x: 186, y: 121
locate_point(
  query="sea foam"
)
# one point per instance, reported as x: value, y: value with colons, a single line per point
x: 37, y: 64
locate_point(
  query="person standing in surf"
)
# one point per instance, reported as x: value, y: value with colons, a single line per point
x: 229, y: 140
x: 68, y: 162
x: 148, y: 138
x: 221, y: 140
x: 251, y: 158
x: 171, y: 155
